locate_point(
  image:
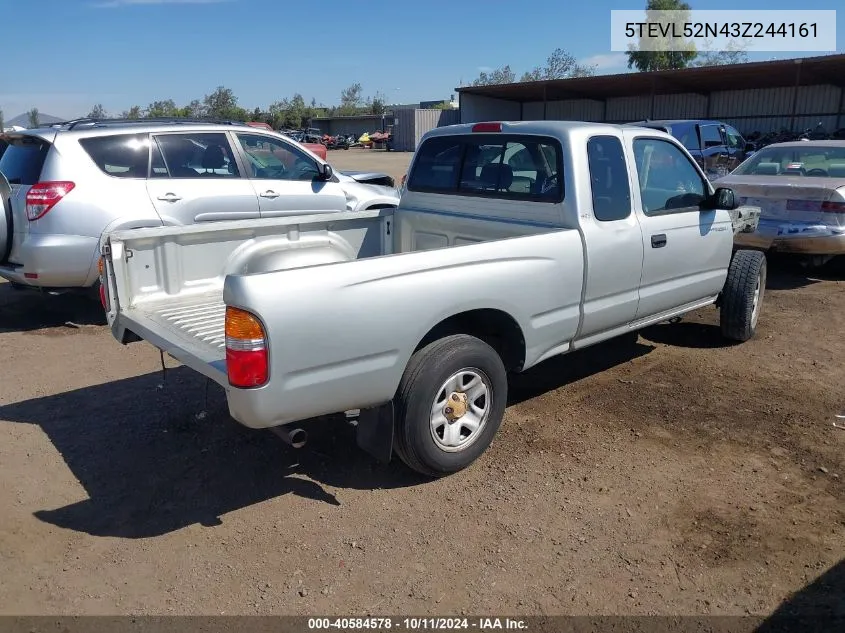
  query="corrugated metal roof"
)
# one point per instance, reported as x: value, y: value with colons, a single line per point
x: 828, y: 69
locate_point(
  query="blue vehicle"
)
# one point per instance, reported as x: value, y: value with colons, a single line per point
x: 718, y: 147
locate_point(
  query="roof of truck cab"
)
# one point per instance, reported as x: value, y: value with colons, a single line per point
x: 548, y: 128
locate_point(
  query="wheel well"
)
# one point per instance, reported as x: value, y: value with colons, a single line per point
x: 496, y: 328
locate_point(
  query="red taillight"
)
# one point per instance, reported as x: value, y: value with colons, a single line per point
x: 487, y: 127
x: 246, y: 349
x: 404, y: 180
x: 43, y: 196
x: 103, y: 296
x: 833, y: 207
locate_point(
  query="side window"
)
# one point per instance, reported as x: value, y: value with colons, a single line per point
x: 734, y: 137
x: 710, y: 136
x: 608, y: 178
x: 669, y: 183
x: 193, y: 155
x: 274, y: 159
x: 689, y: 139
x: 119, y: 155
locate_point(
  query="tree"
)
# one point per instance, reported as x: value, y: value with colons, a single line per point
x: 503, y: 75
x: 162, y: 109
x: 733, y: 53
x: 194, y: 110
x: 132, y: 113
x: 350, y: 99
x: 32, y: 115
x: 1, y: 120
x: 377, y: 104
x: 223, y: 104
x: 559, y: 65
x: 444, y: 105
x: 652, y: 54
x: 97, y: 112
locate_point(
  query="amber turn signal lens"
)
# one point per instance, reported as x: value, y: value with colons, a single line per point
x: 100, y: 266
x: 240, y: 324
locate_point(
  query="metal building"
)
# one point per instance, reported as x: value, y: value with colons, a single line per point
x: 793, y: 94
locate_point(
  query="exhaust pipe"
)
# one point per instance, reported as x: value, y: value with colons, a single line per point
x: 293, y: 437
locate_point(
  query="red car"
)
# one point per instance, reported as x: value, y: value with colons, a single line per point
x: 317, y: 148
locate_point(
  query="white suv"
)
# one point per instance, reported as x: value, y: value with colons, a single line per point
x: 61, y: 187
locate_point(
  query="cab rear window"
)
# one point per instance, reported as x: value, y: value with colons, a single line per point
x: 510, y: 167
x: 23, y: 160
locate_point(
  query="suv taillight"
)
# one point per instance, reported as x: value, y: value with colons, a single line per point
x: 43, y: 196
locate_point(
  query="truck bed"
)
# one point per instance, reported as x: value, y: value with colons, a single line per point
x: 190, y: 330
x: 169, y: 281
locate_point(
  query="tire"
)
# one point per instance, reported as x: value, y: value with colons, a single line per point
x: 742, y: 296
x: 423, y: 381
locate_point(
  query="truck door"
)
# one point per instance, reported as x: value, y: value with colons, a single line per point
x: 686, y: 251
x: 613, y: 240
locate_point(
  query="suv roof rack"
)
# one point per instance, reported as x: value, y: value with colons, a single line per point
x: 173, y: 120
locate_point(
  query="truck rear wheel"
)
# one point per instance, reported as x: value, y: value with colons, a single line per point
x: 449, y: 404
x: 742, y: 296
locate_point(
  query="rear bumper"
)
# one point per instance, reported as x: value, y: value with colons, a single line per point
x: 794, y: 237
x: 53, y: 261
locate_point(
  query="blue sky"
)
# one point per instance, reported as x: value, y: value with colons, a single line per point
x: 70, y: 54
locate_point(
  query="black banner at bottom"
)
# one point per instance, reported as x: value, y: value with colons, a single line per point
x: 372, y: 624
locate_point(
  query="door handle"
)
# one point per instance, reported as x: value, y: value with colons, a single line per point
x: 170, y: 197
x: 658, y: 241
x: 269, y: 194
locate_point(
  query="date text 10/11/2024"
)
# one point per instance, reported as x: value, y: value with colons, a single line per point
x: 417, y: 624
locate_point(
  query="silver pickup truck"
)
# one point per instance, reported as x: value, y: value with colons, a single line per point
x: 512, y: 243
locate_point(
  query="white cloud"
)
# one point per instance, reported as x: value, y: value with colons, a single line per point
x: 606, y: 61
x: 111, y: 4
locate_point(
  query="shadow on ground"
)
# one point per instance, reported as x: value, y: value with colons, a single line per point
x: 28, y: 310
x: 785, y: 272
x: 688, y: 334
x: 156, y: 457
x: 817, y: 608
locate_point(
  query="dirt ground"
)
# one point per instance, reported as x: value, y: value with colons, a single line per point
x: 392, y: 163
x: 674, y: 475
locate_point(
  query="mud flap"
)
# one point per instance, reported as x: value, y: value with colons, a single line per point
x: 375, y: 432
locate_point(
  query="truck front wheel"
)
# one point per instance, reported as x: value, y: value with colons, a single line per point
x: 742, y: 296
x: 449, y: 404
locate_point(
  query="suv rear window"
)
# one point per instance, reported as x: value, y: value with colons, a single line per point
x: 510, y: 167
x: 119, y: 155
x: 22, y: 161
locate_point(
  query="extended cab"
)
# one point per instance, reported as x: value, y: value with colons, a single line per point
x: 512, y: 243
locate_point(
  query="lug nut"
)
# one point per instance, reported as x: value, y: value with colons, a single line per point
x: 448, y: 411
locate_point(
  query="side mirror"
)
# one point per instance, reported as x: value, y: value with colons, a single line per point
x: 722, y: 198
x: 324, y: 171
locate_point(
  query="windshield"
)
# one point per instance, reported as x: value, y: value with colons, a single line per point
x: 791, y: 160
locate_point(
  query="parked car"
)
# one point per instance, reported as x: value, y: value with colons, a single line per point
x: 800, y: 188
x: 69, y: 185
x: 313, y: 135
x: 716, y: 146
x: 413, y: 316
